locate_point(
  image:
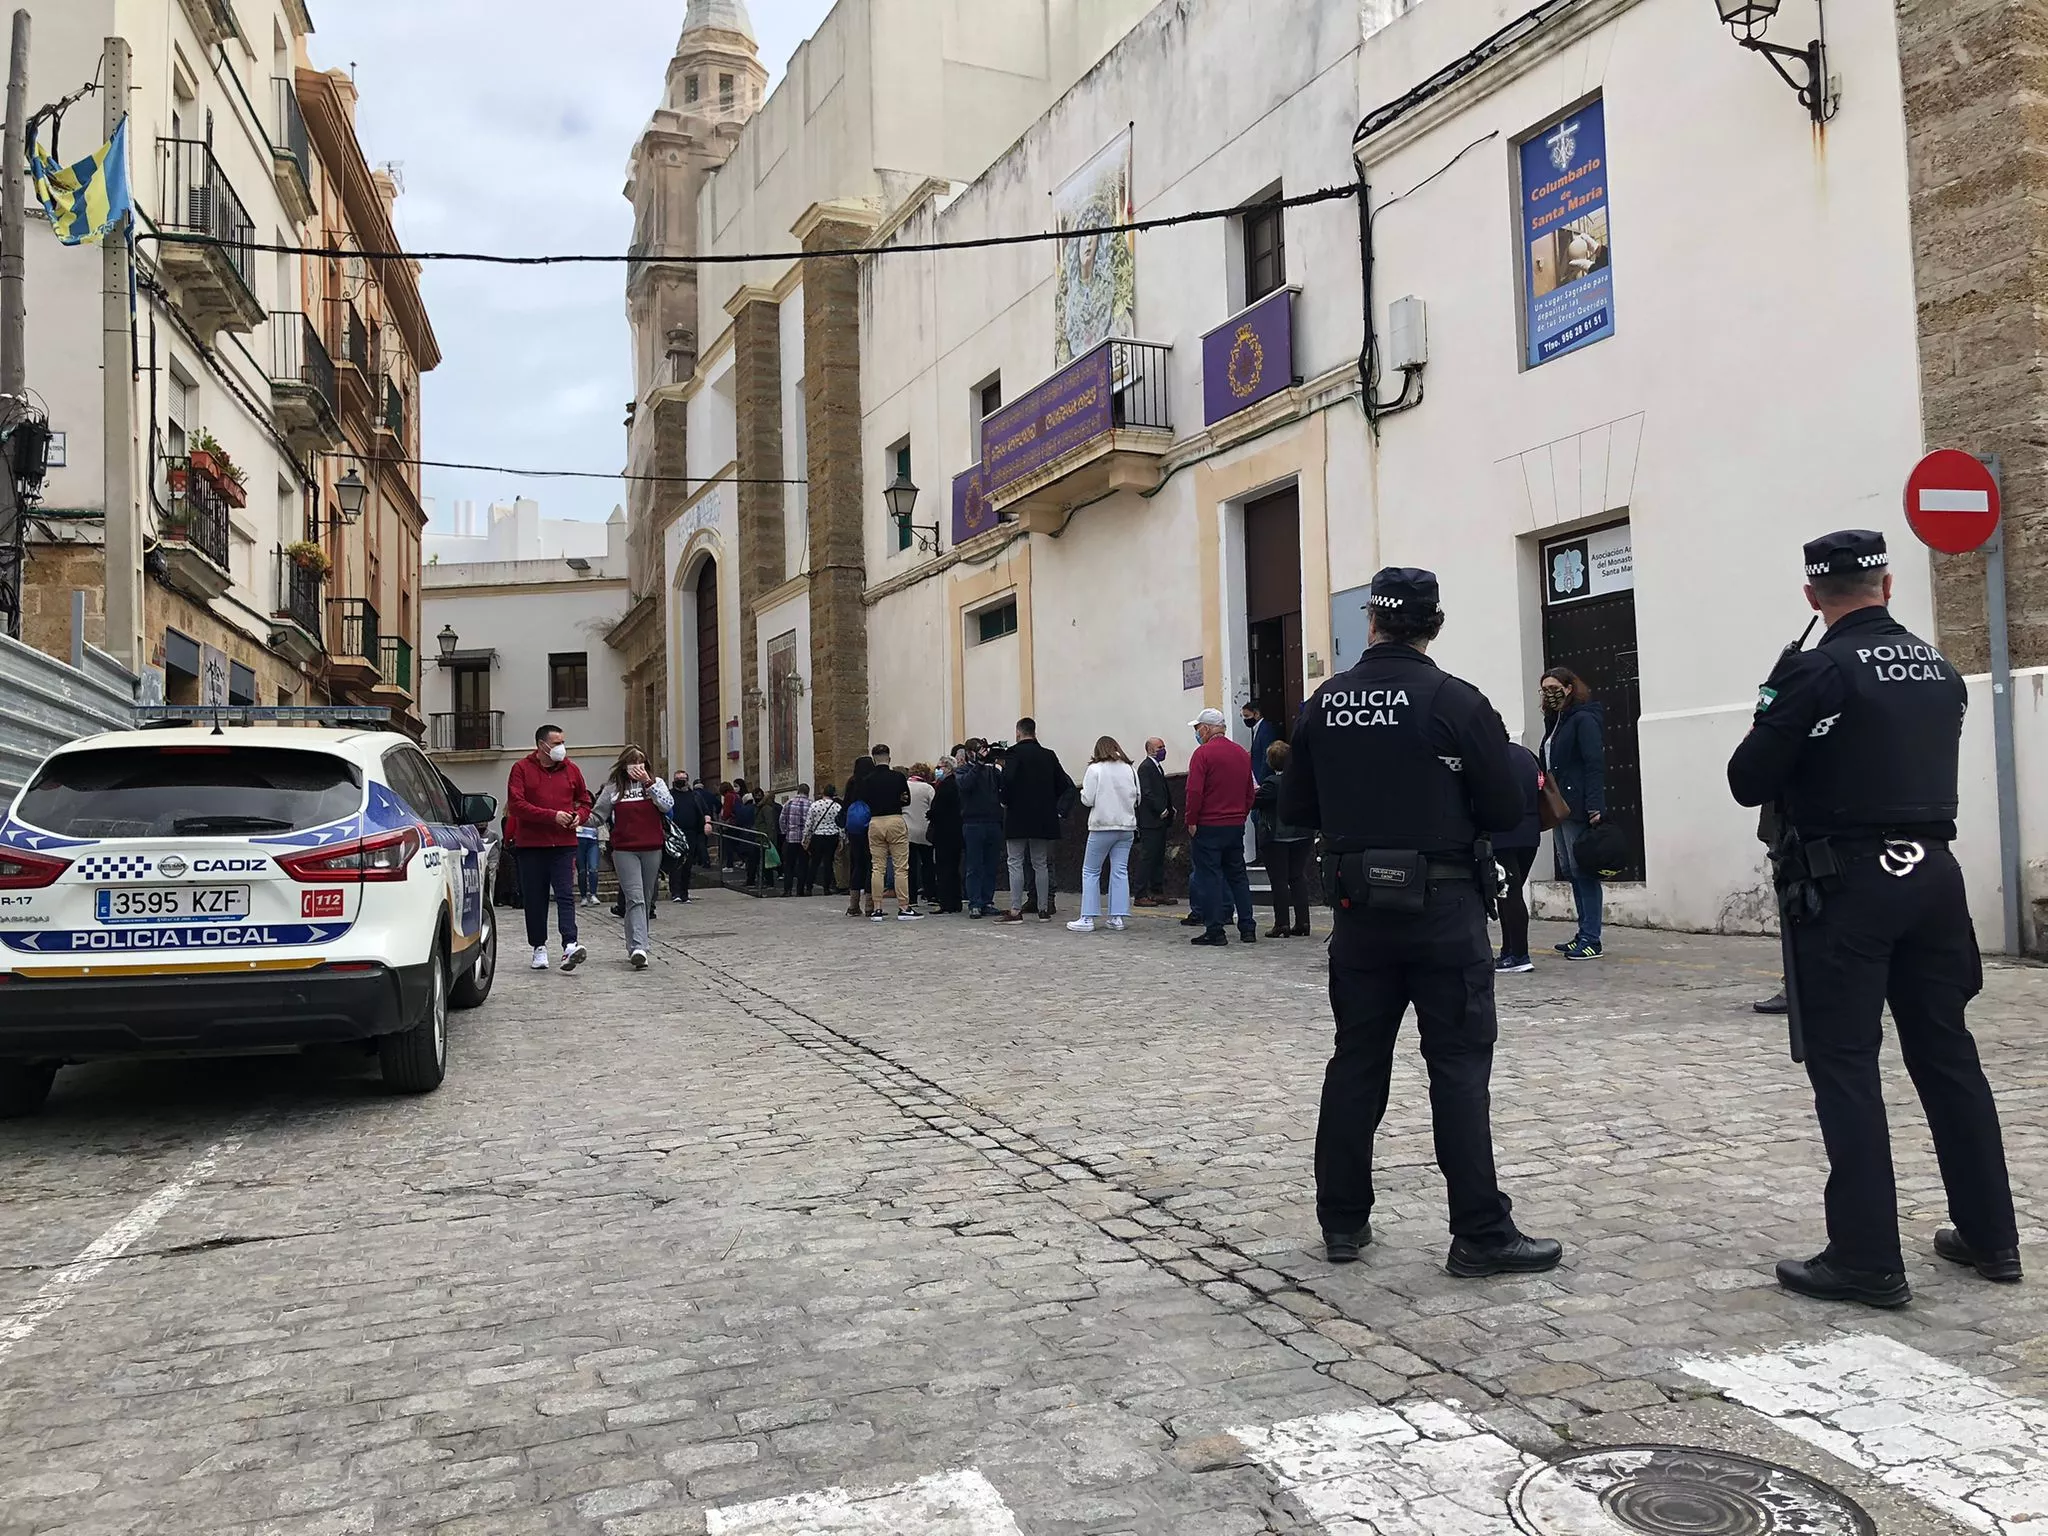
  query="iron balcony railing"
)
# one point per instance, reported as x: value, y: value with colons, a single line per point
x: 197, y: 514
x: 352, y: 337
x: 1137, y: 371
x: 290, y: 136
x: 393, y: 419
x: 298, y: 593
x: 396, y: 665
x: 298, y: 356
x: 468, y: 731
x: 356, y: 622
x: 198, y: 200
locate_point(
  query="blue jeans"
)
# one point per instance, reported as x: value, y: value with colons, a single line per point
x: 586, y: 866
x: 1219, y: 879
x: 1116, y: 848
x: 1586, y: 894
x: 981, y: 856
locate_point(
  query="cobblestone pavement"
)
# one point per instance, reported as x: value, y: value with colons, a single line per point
x: 1014, y: 1222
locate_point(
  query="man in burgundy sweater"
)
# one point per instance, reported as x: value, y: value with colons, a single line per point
x: 1219, y: 802
x: 546, y: 801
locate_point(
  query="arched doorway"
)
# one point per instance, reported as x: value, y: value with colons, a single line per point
x: 710, y: 756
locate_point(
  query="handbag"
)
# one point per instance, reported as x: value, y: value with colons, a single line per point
x: 675, y: 842
x: 1602, y: 850
x: 1550, y: 805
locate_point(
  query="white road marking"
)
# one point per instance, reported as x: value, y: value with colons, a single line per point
x: 58, y: 1292
x: 951, y: 1504
x: 1422, y: 1469
x: 1965, y: 1445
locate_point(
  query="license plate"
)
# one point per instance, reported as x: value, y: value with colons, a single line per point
x: 172, y: 904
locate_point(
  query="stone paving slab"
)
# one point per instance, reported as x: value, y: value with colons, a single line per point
x: 817, y: 1203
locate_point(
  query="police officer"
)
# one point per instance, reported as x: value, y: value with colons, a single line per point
x: 1404, y: 768
x: 1857, y: 740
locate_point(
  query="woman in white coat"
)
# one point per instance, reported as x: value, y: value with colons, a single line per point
x: 1110, y: 791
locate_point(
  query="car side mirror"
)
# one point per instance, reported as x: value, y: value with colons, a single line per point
x: 479, y: 810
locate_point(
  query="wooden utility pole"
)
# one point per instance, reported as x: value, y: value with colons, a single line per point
x: 13, y: 321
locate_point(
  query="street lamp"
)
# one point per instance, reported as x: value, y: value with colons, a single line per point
x: 901, y: 495
x: 447, y: 641
x: 351, y: 493
x: 1747, y: 20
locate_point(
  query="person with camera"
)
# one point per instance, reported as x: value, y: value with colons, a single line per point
x: 1404, y: 769
x: 981, y: 824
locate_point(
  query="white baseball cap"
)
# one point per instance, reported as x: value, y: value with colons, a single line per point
x: 1209, y: 717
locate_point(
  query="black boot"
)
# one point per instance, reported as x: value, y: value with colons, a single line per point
x: 1518, y: 1255
x: 1999, y: 1264
x: 1824, y: 1280
x: 1344, y: 1247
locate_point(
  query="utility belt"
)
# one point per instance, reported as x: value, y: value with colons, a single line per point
x: 1399, y: 879
x: 1819, y: 861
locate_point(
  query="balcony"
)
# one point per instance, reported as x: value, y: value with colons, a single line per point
x: 208, y: 234
x: 391, y: 420
x: 1098, y: 426
x: 479, y: 731
x: 291, y: 151
x: 395, y: 665
x: 193, y: 539
x: 1249, y: 358
x: 213, y: 21
x: 302, y: 384
x: 299, y: 608
x: 355, y: 356
x: 355, y: 650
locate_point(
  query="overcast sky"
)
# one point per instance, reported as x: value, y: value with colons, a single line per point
x: 512, y: 121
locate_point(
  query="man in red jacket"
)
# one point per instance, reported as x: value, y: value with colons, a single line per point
x: 1219, y: 802
x: 546, y: 801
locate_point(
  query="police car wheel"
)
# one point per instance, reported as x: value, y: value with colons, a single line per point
x: 23, y: 1087
x: 475, y: 987
x: 415, y: 1060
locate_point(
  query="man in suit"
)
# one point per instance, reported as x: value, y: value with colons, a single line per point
x: 1035, y: 790
x: 1263, y: 736
x: 1155, y: 824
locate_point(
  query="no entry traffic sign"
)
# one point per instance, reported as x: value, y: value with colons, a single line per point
x: 1952, y: 502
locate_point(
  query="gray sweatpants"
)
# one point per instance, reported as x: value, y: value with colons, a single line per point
x: 639, y: 873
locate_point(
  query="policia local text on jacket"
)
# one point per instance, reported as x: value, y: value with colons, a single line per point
x: 1403, y: 768
x: 1857, y: 739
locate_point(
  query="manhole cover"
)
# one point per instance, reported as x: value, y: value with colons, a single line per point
x: 1664, y: 1490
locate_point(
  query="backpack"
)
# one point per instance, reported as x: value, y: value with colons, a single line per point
x: 858, y: 815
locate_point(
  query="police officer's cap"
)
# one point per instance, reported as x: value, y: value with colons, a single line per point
x: 1846, y: 553
x: 1404, y: 589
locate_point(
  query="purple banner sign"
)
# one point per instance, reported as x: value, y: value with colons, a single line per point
x: 971, y: 511
x: 1070, y: 409
x: 1248, y: 357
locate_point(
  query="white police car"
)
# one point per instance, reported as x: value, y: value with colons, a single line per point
x: 194, y: 890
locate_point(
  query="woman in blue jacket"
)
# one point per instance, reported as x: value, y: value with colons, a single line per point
x: 1575, y: 756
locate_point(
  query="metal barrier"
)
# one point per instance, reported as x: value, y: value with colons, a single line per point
x: 751, y: 847
x: 44, y: 703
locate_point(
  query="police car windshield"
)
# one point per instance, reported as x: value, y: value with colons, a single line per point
x: 190, y: 792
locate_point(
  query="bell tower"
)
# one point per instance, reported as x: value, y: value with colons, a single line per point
x: 715, y: 83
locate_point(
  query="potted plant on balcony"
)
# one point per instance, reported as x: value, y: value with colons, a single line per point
x: 309, y: 557
x: 227, y: 477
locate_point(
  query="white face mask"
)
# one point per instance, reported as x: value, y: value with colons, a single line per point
x: 558, y: 753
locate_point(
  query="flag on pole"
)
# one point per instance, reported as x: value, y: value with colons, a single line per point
x: 86, y: 202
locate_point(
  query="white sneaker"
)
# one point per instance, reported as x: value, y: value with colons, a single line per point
x: 1116, y: 925
x: 1081, y: 925
x: 540, y: 958
x: 639, y: 959
x: 573, y: 956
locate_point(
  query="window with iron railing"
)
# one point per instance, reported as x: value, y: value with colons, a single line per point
x: 298, y: 356
x: 288, y: 132
x: 198, y: 200
x: 356, y: 628
x: 196, y: 514
x: 298, y: 593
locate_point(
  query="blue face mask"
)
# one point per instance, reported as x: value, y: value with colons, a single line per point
x: 1159, y: 756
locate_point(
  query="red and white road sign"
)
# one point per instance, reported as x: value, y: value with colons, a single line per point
x: 1952, y: 501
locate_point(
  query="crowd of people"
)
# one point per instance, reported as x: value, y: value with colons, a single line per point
x: 939, y: 837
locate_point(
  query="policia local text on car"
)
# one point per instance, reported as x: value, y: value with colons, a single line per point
x: 1405, y: 770
x: 1855, y: 742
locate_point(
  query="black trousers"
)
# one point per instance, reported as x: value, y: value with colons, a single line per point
x: 1514, y: 901
x: 678, y: 870
x: 548, y: 874
x: 824, y: 858
x: 1148, y: 869
x: 1441, y: 960
x: 924, y: 878
x: 796, y: 870
x: 1287, y: 872
x: 946, y: 875
x: 1908, y: 942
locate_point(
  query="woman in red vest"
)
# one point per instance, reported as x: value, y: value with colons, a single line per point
x: 637, y: 804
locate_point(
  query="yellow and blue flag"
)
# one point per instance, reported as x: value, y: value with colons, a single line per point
x: 87, y: 201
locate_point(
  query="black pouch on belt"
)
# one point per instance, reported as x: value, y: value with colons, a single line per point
x: 1386, y: 880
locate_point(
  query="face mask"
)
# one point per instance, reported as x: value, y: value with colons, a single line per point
x: 558, y: 754
x: 1159, y: 756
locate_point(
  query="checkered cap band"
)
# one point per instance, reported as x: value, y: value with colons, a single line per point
x: 1861, y: 562
x: 116, y: 866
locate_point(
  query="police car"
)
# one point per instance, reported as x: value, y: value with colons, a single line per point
x: 210, y: 890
